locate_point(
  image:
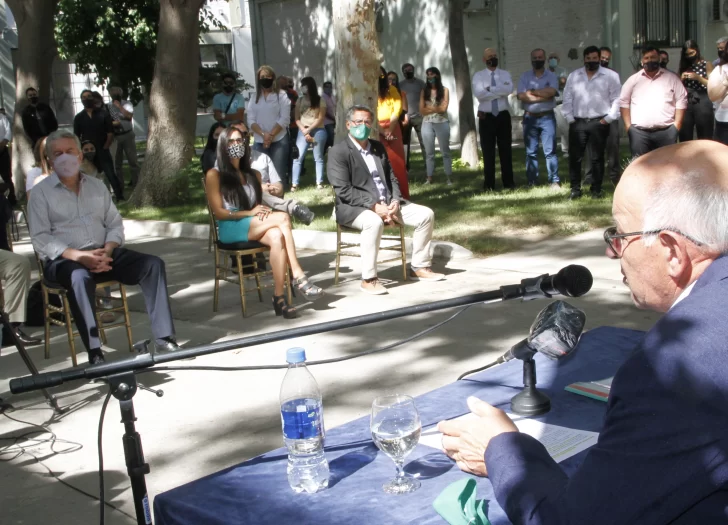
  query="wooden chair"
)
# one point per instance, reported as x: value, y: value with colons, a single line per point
x: 399, y: 246
x: 224, y: 272
x: 49, y: 288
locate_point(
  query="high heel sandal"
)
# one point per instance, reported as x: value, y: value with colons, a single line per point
x: 309, y: 291
x: 283, y: 308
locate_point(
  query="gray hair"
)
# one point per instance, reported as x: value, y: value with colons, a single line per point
x: 116, y: 90
x: 353, y: 109
x: 722, y: 40
x: 58, y: 135
x: 692, y: 205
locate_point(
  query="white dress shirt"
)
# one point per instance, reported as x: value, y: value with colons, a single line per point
x: 485, y: 93
x: 684, y: 294
x: 262, y: 163
x: 6, y: 130
x: 269, y: 111
x: 591, y: 98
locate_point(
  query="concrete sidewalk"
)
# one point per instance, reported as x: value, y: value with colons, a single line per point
x: 207, y: 421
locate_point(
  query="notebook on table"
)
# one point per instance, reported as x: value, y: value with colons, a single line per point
x: 594, y: 389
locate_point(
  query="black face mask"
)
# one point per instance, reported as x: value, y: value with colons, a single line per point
x: 89, y: 155
x: 89, y: 103
x: 117, y: 98
x: 693, y: 59
x: 33, y: 100
x: 591, y: 66
x: 604, y: 63
x: 492, y: 62
x: 538, y: 64
x: 266, y: 83
x: 409, y: 75
x: 663, y: 65
x: 651, y: 66
x: 230, y: 89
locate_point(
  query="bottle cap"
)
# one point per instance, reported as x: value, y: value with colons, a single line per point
x: 295, y: 355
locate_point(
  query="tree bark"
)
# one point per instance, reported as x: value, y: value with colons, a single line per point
x: 461, y: 68
x: 34, y: 60
x: 172, y: 107
x: 357, y: 57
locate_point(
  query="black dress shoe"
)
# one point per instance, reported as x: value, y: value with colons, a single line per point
x: 96, y: 357
x: 575, y: 194
x: 166, y: 346
x: 26, y: 339
x: 597, y: 194
x: 303, y: 214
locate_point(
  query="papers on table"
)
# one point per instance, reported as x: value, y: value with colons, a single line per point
x: 560, y: 442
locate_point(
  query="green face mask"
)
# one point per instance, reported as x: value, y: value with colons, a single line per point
x: 360, y: 132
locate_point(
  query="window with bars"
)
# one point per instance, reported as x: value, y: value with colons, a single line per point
x: 664, y: 23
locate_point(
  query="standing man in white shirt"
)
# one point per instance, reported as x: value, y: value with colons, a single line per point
x: 591, y: 104
x: 6, y: 172
x: 491, y: 87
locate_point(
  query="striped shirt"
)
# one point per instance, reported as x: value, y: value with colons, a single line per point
x: 59, y: 219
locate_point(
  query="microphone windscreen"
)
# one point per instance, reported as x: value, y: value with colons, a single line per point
x: 557, y: 329
x: 573, y: 280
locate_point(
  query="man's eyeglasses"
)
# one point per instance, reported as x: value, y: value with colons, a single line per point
x: 359, y: 122
x: 617, y: 243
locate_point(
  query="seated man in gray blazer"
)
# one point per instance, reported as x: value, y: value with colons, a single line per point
x: 368, y: 198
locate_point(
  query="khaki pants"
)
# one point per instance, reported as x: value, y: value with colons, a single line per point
x: 15, y: 274
x: 278, y: 204
x: 371, y: 227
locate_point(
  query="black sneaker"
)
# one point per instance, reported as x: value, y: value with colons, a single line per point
x: 96, y: 356
x: 303, y: 214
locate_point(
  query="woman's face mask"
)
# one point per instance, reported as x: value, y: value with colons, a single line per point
x: 236, y: 150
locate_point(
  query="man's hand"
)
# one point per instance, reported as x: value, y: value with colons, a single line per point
x: 393, y: 206
x: 466, y: 441
x: 95, y: 260
x: 604, y: 122
x: 382, y: 210
x: 117, y: 103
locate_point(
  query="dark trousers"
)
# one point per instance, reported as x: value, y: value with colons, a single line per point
x: 721, y: 132
x: 642, y: 141
x: 613, y: 160
x: 105, y: 163
x: 591, y: 134
x: 129, y: 268
x: 698, y: 117
x: 6, y: 172
x: 496, y: 130
x: 416, y: 124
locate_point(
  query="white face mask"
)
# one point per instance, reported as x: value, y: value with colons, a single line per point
x: 304, y: 90
x: 66, y: 165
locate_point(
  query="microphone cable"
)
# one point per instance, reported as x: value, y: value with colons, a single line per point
x: 489, y: 365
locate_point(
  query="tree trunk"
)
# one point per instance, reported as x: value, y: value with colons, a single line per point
x: 34, y: 60
x: 357, y: 57
x: 172, y: 107
x: 461, y: 68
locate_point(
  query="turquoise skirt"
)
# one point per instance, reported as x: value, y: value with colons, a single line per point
x: 235, y: 230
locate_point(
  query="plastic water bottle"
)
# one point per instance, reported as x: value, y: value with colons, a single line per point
x: 303, y: 426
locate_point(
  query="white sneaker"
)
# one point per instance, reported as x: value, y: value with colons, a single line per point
x: 427, y: 182
x: 449, y: 182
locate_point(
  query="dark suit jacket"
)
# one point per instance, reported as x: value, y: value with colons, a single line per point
x: 31, y: 116
x: 662, y: 456
x: 352, y: 182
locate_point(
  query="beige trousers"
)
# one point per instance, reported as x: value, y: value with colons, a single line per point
x: 15, y: 274
x: 371, y: 227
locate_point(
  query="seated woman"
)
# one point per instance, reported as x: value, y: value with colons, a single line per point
x: 209, y: 155
x: 88, y: 167
x: 234, y: 193
x: 40, y: 170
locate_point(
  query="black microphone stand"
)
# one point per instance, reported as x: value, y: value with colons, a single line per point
x: 530, y: 401
x: 5, y: 321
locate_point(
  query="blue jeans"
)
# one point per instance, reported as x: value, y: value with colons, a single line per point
x: 441, y: 130
x: 545, y: 129
x: 278, y: 153
x: 319, y: 136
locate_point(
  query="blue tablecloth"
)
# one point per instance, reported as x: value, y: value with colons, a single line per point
x: 257, y: 492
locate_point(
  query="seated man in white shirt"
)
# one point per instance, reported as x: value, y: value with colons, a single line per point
x: 368, y: 198
x: 272, y: 184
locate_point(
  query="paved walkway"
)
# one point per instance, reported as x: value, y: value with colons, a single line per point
x: 207, y: 421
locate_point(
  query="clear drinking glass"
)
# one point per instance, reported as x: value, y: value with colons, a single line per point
x: 396, y: 430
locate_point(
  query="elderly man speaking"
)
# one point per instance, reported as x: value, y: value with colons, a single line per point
x: 662, y: 455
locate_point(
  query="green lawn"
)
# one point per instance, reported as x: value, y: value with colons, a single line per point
x: 486, y: 224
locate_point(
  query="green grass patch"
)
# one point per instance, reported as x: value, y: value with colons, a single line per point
x: 485, y: 223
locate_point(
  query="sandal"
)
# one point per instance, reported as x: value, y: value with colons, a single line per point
x: 309, y: 291
x: 283, y: 308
